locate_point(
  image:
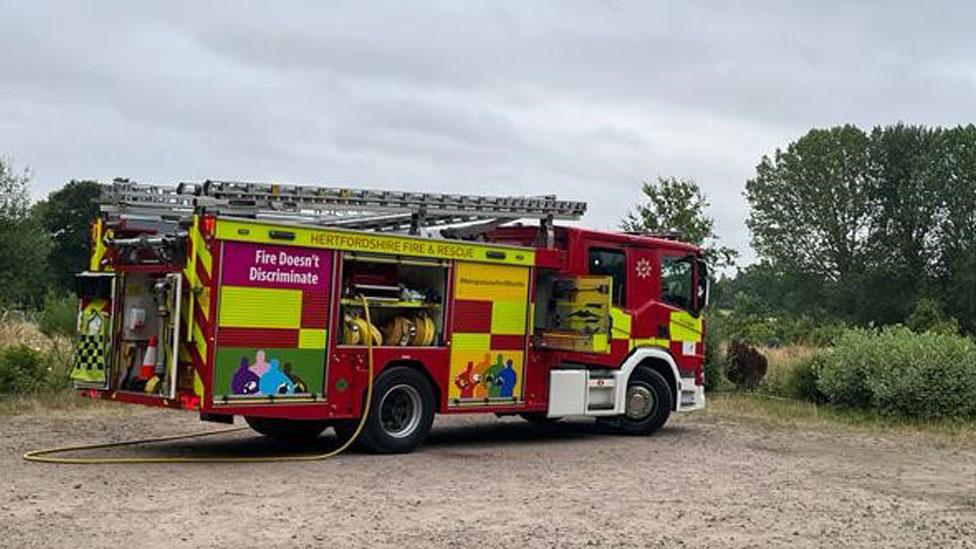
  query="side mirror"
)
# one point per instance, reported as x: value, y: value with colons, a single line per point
x: 703, y: 291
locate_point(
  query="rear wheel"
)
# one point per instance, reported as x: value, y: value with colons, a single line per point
x: 647, y: 403
x: 400, y: 415
x: 287, y: 430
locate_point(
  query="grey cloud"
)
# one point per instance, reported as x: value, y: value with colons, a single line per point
x: 581, y: 99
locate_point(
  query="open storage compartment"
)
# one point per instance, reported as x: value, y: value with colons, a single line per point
x: 572, y: 313
x: 405, y: 296
x: 148, y: 334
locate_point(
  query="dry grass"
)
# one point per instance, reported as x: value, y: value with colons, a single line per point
x: 782, y: 357
x: 22, y: 332
x: 781, y: 363
x: 58, y: 349
x: 778, y: 412
x: 57, y: 403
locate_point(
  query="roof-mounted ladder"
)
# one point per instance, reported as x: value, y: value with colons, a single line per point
x: 350, y: 208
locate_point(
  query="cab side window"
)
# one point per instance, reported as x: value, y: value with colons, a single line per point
x: 676, y: 281
x: 612, y: 263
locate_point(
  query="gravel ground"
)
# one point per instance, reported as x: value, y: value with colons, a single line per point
x: 480, y: 481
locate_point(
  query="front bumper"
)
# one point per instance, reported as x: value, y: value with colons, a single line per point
x: 692, y: 397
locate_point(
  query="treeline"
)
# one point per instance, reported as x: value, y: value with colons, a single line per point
x: 42, y: 245
x: 862, y: 228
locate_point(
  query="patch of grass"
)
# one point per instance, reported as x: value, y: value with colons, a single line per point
x: 791, y: 373
x: 34, y: 370
x: 789, y: 413
x: 46, y: 402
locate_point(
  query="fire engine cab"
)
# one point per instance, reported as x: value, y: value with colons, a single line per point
x: 271, y: 302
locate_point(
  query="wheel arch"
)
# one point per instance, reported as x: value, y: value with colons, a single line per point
x: 656, y: 359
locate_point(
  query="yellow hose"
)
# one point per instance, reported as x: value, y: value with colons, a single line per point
x: 46, y: 455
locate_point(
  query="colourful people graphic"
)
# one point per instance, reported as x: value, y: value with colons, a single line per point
x: 260, y: 366
x: 245, y: 381
x: 507, y: 378
x: 300, y: 385
x: 275, y: 382
x: 266, y: 378
x: 465, y: 381
x: 487, y: 379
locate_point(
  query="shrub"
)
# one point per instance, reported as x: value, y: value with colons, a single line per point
x: 899, y: 372
x: 928, y: 315
x: 22, y: 369
x: 793, y: 372
x: 714, y: 360
x: 844, y: 370
x: 745, y: 365
x: 801, y: 378
x: 59, y: 315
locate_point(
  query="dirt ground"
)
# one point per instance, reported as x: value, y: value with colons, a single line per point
x: 704, y: 481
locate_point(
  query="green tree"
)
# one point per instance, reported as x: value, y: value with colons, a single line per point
x: 678, y: 206
x: 877, y: 227
x: 906, y: 195
x: 67, y: 215
x: 955, y: 269
x: 23, y: 243
x: 810, y: 205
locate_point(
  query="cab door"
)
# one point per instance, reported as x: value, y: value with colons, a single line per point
x: 679, y: 293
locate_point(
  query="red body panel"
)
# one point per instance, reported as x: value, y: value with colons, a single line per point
x: 346, y: 367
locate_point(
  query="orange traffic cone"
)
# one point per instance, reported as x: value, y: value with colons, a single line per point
x: 149, y: 360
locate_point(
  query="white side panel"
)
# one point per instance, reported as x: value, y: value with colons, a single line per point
x: 567, y: 393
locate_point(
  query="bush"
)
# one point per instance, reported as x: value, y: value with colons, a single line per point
x: 844, y: 371
x: 59, y: 315
x: 793, y: 372
x: 929, y: 316
x: 715, y: 378
x: 902, y: 373
x: 22, y: 370
x: 746, y: 366
x: 801, y: 379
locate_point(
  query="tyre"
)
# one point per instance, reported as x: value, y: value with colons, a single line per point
x: 647, y: 404
x: 400, y: 415
x: 287, y: 430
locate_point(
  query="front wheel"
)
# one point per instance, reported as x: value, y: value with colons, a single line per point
x: 401, y: 413
x: 287, y: 430
x: 647, y: 403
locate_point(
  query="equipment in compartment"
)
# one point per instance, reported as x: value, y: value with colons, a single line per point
x: 573, y: 313
x: 149, y: 313
x: 405, y: 299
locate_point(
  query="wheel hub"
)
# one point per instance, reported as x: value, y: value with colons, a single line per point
x: 400, y: 411
x: 639, y: 403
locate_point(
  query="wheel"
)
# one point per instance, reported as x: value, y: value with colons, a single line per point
x: 287, y: 430
x: 648, y: 403
x: 400, y: 414
x: 539, y: 418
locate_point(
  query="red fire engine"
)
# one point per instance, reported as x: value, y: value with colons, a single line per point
x: 277, y: 303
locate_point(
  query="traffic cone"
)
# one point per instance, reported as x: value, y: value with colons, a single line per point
x: 149, y: 360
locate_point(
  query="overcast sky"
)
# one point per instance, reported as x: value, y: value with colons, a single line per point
x: 581, y: 99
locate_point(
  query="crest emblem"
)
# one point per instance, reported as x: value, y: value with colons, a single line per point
x: 643, y: 268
